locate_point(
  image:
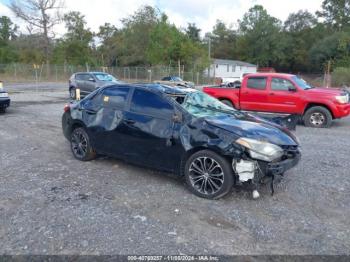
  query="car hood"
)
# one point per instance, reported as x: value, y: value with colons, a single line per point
x: 255, y: 128
x: 325, y: 91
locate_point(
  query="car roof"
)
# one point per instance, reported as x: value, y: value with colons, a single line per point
x: 270, y: 75
x: 157, y: 88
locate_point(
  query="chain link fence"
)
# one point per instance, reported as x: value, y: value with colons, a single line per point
x: 61, y: 73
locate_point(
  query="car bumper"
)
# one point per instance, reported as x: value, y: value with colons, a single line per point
x: 4, y: 103
x: 279, y: 168
x: 341, y: 110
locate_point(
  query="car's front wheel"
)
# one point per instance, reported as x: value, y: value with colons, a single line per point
x: 80, y: 145
x: 208, y: 174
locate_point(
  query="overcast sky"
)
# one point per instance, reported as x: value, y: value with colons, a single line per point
x: 202, y: 12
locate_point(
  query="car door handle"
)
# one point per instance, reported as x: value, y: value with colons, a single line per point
x: 129, y: 121
x: 272, y: 94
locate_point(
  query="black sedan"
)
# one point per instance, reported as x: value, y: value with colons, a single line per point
x: 4, y: 100
x: 182, y: 131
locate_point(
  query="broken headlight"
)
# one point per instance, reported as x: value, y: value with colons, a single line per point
x: 261, y: 150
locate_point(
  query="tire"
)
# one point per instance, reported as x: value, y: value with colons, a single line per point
x: 2, y: 110
x: 80, y: 145
x: 72, y: 93
x: 214, y: 180
x: 227, y: 102
x: 317, y: 117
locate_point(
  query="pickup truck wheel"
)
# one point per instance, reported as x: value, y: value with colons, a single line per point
x: 318, y: 117
x: 208, y: 175
x: 227, y: 102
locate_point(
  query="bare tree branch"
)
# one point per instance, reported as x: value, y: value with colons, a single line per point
x: 40, y: 14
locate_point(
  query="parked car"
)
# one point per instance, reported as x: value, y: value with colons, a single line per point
x: 88, y: 82
x: 287, y: 94
x: 174, y: 81
x: 4, y: 100
x: 178, y: 130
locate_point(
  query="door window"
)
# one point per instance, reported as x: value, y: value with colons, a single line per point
x: 280, y: 84
x: 257, y: 83
x: 79, y: 76
x: 148, y: 103
x: 115, y: 97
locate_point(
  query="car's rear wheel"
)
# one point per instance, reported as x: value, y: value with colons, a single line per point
x: 72, y: 93
x: 208, y: 174
x: 227, y: 102
x: 2, y: 110
x: 80, y: 145
x: 318, y: 117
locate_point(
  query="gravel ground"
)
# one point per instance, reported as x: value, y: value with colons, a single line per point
x: 53, y: 204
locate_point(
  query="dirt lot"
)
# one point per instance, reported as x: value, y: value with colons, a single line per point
x: 53, y: 204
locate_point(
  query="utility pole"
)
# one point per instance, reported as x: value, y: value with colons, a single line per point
x: 209, y: 54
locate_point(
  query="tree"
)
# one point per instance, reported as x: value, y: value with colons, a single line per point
x: 107, y: 50
x: 169, y: 45
x: 8, y: 30
x: 336, y: 13
x: 132, y: 41
x: 76, y: 45
x: 301, y: 30
x: 223, y: 41
x: 300, y: 21
x: 193, y: 32
x: 334, y: 48
x: 260, y: 40
x: 40, y: 14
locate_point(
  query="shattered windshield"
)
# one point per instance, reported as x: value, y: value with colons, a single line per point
x: 200, y: 104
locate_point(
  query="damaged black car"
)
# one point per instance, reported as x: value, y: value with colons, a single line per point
x: 182, y: 131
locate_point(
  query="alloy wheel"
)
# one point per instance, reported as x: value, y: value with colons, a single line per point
x: 79, y: 144
x: 206, y: 175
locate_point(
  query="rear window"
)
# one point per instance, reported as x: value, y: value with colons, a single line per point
x: 115, y: 97
x: 151, y: 104
x: 84, y: 77
x: 257, y: 83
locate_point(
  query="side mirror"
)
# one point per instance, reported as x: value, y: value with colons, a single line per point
x: 91, y: 79
x: 292, y: 89
x: 177, y: 117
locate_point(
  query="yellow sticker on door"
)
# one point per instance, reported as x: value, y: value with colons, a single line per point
x: 106, y: 99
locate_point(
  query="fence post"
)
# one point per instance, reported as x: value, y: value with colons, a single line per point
x: 136, y: 75
x: 197, y: 78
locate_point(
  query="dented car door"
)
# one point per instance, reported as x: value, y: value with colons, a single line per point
x: 106, y: 120
x: 149, y: 132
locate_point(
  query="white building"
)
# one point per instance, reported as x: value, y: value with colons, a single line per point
x: 227, y: 69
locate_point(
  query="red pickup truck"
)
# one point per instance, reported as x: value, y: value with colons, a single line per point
x: 285, y: 94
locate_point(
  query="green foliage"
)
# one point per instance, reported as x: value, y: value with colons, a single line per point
x: 301, y: 44
x: 223, y: 41
x: 76, y: 46
x: 336, y: 13
x: 335, y: 48
x: 260, y: 40
x: 341, y: 76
